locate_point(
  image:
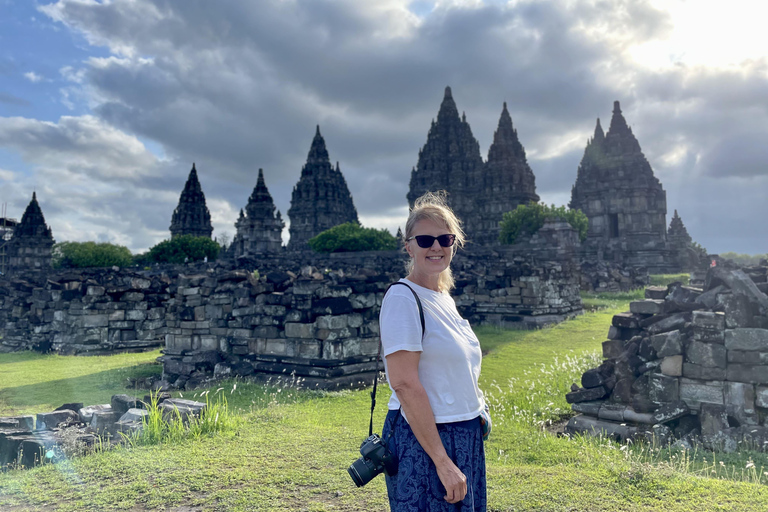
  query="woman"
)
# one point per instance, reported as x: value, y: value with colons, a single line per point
x: 436, y: 404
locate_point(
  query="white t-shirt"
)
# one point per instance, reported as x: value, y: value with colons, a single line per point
x: 449, y: 366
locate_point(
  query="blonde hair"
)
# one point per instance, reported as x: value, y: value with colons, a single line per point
x: 433, y: 206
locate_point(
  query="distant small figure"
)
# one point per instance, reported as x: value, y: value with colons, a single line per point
x: 713, y: 264
x: 205, y: 260
x: 186, y: 259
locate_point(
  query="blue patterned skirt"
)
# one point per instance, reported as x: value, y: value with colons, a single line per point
x: 416, y: 486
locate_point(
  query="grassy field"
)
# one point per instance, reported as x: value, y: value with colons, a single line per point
x: 292, y: 448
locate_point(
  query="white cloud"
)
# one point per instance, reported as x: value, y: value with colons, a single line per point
x: 32, y: 76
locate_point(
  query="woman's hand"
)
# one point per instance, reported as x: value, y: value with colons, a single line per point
x: 453, y: 480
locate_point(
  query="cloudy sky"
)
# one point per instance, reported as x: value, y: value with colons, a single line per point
x: 104, y: 105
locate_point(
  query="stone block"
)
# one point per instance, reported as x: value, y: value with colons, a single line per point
x: 714, y: 419
x: 122, y: 402
x: 671, y: 411
x: 589, y: 408
x: 50, y: 420
x: 695, y: 371
x: 708, y: 335
x: 745, y: 357
x: 672, y: 366
x: 647, y: 307
x: 746, y: 339
x: 670, y: 323
x: 656, y: 292
x: 332, y: 322
x: 667, y: 344
x: 626, y: 320
x: 95, y: 291
x: 694, y: 392
x: 134, y: 415
x: 86, y: 413
x: 586, y: 394
x: 663, y: 388
x: 751, y: 373
x: 103, y: 422
x: 592, y: 378
x: 96, y: 320
x: 135, y: 315
x: 740, y: 402
x: 706, y: 354
x: 739, y: 311
x: 612, y: 349
x: 296, y: 330
x: 708, y: 320
x: 117, y: 315
x: 761, y: 397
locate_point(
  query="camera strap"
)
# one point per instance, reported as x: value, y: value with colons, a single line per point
x: 378, y: 356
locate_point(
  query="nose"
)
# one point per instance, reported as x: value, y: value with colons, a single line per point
x: 436, y: 243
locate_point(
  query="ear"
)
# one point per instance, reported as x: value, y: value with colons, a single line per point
x: 408, y: 249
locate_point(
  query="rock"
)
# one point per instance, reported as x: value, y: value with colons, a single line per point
x: 671, y: 323
x: 134, y: 415
x: 740, y: 402
x: 739, y: 311
x: 706, y: 354
x: 51, y: 420
x: 752, y: 373
x: 671, y: 411
x: 714, y: 419
x: 588, y: 408
x: 586, y: 395
x: 103, y: 422
x: 86, y: 413
x: 121, y: 403
x: 746, y: 339
x: 592, y: 378
x: 613, y: 348
x: 18, y: 423
x: 672, y: 366
x: 708, y: 299
x: 74, y: 406
x: 694, y: 392
x: 656, y: 292
x: 667, y: 344
x: 582, y: 424
x: 710, y: 320
x: 647, y: 307
x: 695, y: 371
x: 663, y: 388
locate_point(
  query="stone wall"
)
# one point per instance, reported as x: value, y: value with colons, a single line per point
x: 311, y: 316
x: 686, y: 363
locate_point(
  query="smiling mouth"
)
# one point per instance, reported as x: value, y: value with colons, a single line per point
x: 434, y: 257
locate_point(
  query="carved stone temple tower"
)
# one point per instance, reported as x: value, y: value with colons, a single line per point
x: 450, y: 160
x: 259, y: 228
x: 686, y: 254
x: 320, y: 199
x: 191, y: 216
x: 30, y: 247
x: 624, y: 201
x: 508, y: 180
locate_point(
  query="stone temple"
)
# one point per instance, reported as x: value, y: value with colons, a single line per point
x: 30, y: 247
x: 320, y: 199
x: 191, y: 216
x: 479, y: 192
x: 625, y: 203
x: 259, y: 228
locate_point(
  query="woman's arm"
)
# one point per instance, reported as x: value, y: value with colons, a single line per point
x: 403, y: 367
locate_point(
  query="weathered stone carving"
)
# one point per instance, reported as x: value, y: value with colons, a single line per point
x: 30, y: 247
x: 259, y: 228
x: 191, y: 216
x: 320, y: 199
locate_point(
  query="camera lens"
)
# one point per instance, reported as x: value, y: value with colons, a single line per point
x: 362, y: 471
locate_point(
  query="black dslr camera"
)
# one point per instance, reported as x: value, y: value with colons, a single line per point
x: 376, y: 457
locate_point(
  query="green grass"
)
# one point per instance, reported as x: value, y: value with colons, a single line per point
x: 33, y: 382
x: 292, y: 448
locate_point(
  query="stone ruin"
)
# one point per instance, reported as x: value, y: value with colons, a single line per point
x: 259, y: 228
x: 321, y: 199
x: 32, y: 241
x: 627, y: 206
x: 479, y: 192
x: 191, y: 216
x: 685, y: 365
x: 74, y: 429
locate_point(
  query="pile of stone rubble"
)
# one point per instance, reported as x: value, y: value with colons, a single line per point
x: 26, y: 441
x: 684, y: 365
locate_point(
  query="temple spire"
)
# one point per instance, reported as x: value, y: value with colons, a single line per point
x: 599, y: 134
x: 191, y: 216
x: 259, y: 231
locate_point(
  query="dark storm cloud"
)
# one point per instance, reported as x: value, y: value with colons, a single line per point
x: 236, y: 86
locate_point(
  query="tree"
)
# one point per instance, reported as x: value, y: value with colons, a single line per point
x: 351, y: 237
x: 184, y: 248
x: 90, y: 254
x: 528, y: 219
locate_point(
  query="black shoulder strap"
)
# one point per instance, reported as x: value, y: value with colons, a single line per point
x: 378, y: 356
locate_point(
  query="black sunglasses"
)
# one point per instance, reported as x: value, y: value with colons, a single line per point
x: 426, y: 241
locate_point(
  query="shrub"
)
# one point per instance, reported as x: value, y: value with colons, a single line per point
x: 184, y: 248
x: 351, y: 237
x: 528, y: 219
x: 90, y: 254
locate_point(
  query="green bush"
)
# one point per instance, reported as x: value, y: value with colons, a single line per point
x: 90, y: 254
x: 184, y: 248
x: 351, y: 237
x: 528, y: 219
